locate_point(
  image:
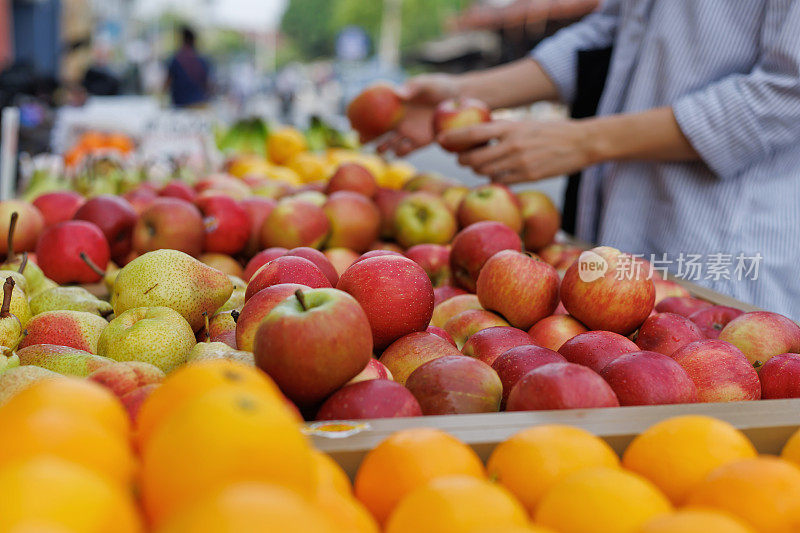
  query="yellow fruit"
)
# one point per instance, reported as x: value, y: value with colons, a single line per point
x: 77, y: 396
x: 71, y: 436
x: 286, y: 175
x: 407, y: 460
x: 193, y: 380
x: 346, y: 513
x: 310, y: 167
x: 680, y: 452
x: 791, y: 451
x: 535, y: 459
x: 285, y: 143
x: 601, y: 499
x: 48, y: 490
x: 696, y: 521
x: 456, y: 504
x: 513, y: 529
x: 249, y: 165
x: 330, y: 475
x: 764, y: 492
x: 396, y: 174
x: 251, y: 508
x: 227, y: 435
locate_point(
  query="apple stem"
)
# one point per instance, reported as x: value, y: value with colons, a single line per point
x: 301, y: 298
x: 91, y: 264
x: 8, y: 288
x: 12, y: 226
x: 758, y: 364
x: 208, y: 327
x: 23, y: 263
x: 235, y: 315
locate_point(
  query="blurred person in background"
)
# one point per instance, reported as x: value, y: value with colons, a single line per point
x: 693, y: 151
x: 189, y: 74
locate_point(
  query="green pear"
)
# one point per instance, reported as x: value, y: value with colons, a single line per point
x: 204, y: 351
x: 7, y: 362
x: 77, y: 329
x: 69, y: 298
x: 17, y: 379
x: 34, y: 277
x: 10, y: 326
x: 172, y: 279
x: 19, y: 279
x: 156, y: 335
x: 62, y: 359
x: 236, y: 301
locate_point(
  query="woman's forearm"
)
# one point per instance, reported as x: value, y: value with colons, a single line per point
x: 515, y: 84
x: 650, y: 135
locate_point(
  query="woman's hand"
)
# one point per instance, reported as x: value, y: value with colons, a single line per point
x: 527, y: 150
x: 421, y: 96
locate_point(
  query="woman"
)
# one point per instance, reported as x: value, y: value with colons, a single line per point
x: 695, y: 152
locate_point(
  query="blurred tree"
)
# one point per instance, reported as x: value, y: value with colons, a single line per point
x: 308, y: 24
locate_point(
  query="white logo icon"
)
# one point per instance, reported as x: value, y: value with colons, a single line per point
x: 591, y: 266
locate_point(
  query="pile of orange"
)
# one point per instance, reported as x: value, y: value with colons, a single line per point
x: 95, y: 142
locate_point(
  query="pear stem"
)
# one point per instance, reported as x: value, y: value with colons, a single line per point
x: 208, y: 328
x: 23, y: 263
x: 301, y: 297
x: 8, y: 288
x: 12, y: 226
x: 91, y: 264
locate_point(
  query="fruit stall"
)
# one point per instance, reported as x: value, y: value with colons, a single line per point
x: 311, y: 337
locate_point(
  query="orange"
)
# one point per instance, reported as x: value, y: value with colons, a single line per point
x: 70, y: 436
x: 456, y: 504
x: 226, y: 435
x: 512, y: 529
x: 764, y: 492
x: 250, y: 507
x: 192, y: 380
x: 346, y: 513
x: 310, y: 167
x: 330, y: 475
x: 696, y: 521
x: 48, y: 490
x: 409, y: 459
x: 285, y: 143
x: 601, y: 499
x: 39, y: 526
x: 77, y: 396
x: 120, y: 142
x: 791, y: 451
x: 680, y: 452
x: 92, y: 141
x: 534, y: 459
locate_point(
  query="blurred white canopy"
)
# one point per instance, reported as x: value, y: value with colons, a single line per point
x: 259, y: 16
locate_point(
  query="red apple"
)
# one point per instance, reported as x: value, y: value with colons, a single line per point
x: 387, y: 201
x: 522, y: 289
x: 336, y: 343
x: 59, y: 251
x: 258, y: 209
x: 445, y: 292
x: 375, y: 111
x: 474, y: 245
x: 352, y: 177
x: 712, y: 320
x: 439, y: 332
x: 355, y: 221
x: 341, y: 258
x: 374, y: 370
x: 465, y: 324
x: 666, y: 332
x: 435, y: 259
x: 459, y: 113
x: 133, y: 401
x: 140, y: 198
x: 385, y: 246
x: 293, y: 223
x: 490, y: 203
x: 512, y: 364
x: 116, y: 219
x: 540, y: 218
x: 780, y: 377
x: 169, y: 223
x: 407, y: 353
x: 681, y: 305
x: 178, y: 189
x: 453, y: 306
x: 260, y: 259
x: 452, y: 197
x: 429, y: 182
x: 489, y: 343
x: 28, y: 227
x: 560, y: 386
x: 454, y: 385
x: 560, y: 255
x: 256, y: 308
x: 596, y: 349
x: 598, y: 291
x: 719, y: 370
x: 395, y: 293
x: 379, y: 253
x: 649, y: 378
x: 287, y: 269
x: 668, y: 289
x: 553, y: 331
x: 761, y: 335
x: 319, y: 259
x: 126, y: 376
x: 422, y: 218
x: 375, y: 398
x: 58, y: 206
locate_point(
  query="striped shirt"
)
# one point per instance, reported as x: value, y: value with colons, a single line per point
x: 730, y: 70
